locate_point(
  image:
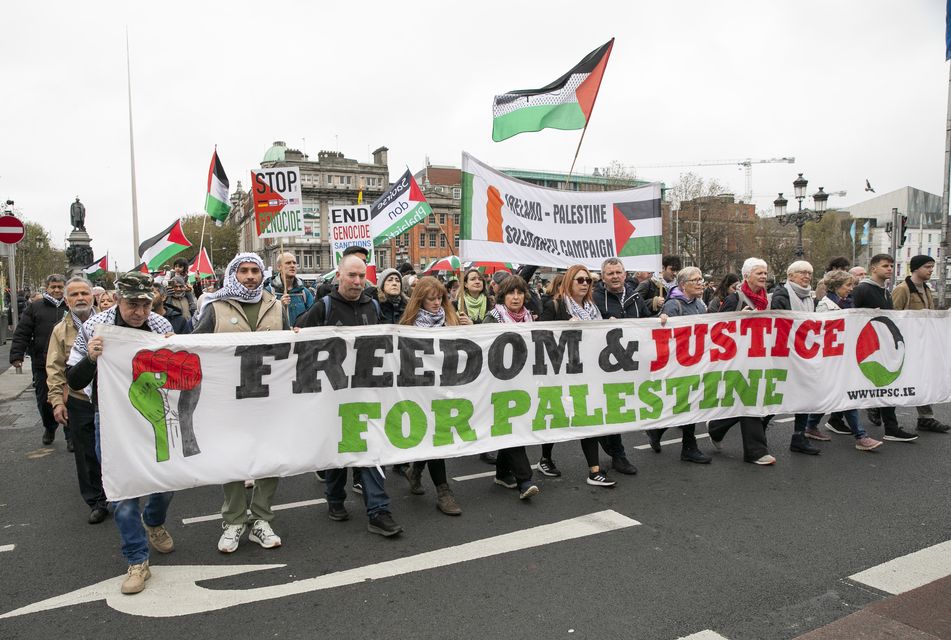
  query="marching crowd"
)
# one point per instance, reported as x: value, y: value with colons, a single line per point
x: 57, y: 330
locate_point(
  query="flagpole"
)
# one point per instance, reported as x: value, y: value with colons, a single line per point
x: 578, y: 149
x: 943, y: 250
x: 135, y: 206
x: 607, y: 56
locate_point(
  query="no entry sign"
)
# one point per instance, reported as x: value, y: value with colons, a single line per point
x: 11, y: 230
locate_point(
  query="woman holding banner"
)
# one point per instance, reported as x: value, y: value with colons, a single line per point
x: 574, y: 302
x: 429, y: 306
x: 750, y: 296
x: 474, y: 302
x: 512, y: 468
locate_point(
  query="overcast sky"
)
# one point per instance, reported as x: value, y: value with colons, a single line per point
x: 852, y: 89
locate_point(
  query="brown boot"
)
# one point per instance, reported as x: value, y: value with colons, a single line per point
x: 415, y: 477
x: 446, y: 502
x: 135, y: 578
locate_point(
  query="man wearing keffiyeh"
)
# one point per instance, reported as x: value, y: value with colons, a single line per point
x: 73, y: 408
x: 33, y: 331
x: 242, y: 305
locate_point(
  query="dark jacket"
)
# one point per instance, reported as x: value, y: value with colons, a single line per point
x: 868, y: 294
x: 554, y: 309
x: 609, y: 304
x: 343, y: 312
x: 391, y: 309
x: 34, y: 330
x: 175, y: 318
x: 780, y: 299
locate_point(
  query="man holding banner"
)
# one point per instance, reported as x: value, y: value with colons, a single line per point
x: 242, y: 305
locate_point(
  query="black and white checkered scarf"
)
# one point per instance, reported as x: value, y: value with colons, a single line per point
x: 232, y: 289
x: 157, y: 324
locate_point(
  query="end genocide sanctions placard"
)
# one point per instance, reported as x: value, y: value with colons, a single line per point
x: 187, y: 411
x: 509, y: 220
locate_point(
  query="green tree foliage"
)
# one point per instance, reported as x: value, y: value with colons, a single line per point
x: 36, y: 257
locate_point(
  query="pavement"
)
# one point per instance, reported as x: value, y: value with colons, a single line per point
x: 847, y: 544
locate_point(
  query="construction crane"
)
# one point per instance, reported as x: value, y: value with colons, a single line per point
x: 745, y: 163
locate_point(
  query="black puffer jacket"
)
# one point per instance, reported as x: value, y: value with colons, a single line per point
x: 391, y: 309
x: 343, y: 312
x: 34, y: 329
x: 609, y: 304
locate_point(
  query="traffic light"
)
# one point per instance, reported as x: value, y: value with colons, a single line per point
x: 902, y: 230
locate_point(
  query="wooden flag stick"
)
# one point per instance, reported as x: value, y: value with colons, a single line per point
x: 578, y: 150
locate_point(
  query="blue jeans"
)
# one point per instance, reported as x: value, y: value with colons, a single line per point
x: 129, y: 516
x: 851, y: 417
x: 374, y: 494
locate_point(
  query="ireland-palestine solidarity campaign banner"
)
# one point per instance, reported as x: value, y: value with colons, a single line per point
x: 508, y: 220
x: 190, y: 410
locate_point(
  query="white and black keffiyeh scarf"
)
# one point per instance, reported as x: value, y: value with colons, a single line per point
x: 157, y: 324
x: 501, y: 313
x: 232, y: 289
x: 53, y: 300
x: 586, y: 312
x: 429, y: 319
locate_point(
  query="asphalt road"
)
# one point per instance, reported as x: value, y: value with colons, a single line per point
x: 746, y: 551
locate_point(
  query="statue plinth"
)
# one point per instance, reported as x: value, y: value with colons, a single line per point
x: 78, y: 252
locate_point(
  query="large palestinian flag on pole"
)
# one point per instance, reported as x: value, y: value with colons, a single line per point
x: 97, y: 268
x: 566, y: 103
x: 159, y: 249
x: 216, y: 198
x: 398, y: 209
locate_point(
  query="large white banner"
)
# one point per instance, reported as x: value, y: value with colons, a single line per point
x: 193, y: 410
x: 507, y: 220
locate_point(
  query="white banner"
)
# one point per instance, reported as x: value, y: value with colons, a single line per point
x: 507, y: 220
x: 195, y: 410
x: 350, y: 226
x: 278, y: 208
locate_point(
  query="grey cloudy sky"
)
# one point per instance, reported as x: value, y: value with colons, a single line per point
x: 852, y: 89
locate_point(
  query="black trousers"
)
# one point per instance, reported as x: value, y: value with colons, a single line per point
x: 754, y: 435
x: 689, y: 438
x: 437, y: 470
x: 515, y: 461
x: 83, y: 431
x: 589, y: 447
x: 42, y: 391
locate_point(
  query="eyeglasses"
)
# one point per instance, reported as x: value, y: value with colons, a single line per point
x: 583, y: 280
x: 695, y: 281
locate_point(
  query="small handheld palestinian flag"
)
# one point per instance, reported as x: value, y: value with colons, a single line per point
x: 398, y: 209
x: 216, y: 198
x: 161, y: 248
x: 566, y: 103
x: 97, y: 268
x: 200, y: 268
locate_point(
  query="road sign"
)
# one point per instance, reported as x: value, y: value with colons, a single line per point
x: 11, y: 230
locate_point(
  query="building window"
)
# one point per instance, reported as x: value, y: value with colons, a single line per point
x: 456, y: 240
x: 455, y: 219
x: 346, y: 179
x: 442, y: 240
x: 308, y: 261
x: 432, y: 238
x: 422, y: 239
x: 456, y: 193
x: 442, y: 218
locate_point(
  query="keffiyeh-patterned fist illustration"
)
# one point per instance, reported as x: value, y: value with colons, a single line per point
x: 154, y: 375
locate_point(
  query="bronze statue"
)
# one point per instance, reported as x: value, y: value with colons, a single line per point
x: 77, y: 215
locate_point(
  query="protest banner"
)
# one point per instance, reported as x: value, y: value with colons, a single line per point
x: 194, y: 410
x: 278, y: 209
x: 349, y: 226
x: 508, y: 220
x: 399, y: 208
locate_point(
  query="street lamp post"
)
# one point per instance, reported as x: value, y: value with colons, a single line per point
x: 802, y: 216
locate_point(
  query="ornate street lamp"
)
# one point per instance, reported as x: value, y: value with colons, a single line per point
x: 801, y: 216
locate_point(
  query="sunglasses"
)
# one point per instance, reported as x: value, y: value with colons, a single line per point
x: 583, y: 280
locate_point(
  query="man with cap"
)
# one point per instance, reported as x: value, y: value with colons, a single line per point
x: 137, y: 527
x: 914, y: 294
x: 289, y: 289
x: 242, y: 305
x: 73, y: 408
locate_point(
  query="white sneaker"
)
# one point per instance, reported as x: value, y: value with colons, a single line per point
x: 263, y: 534
x: 765, y: 460
x: 230, y: 537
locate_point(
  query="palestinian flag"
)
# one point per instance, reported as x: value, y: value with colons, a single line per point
x: 142, y: 268
x: 97, y: 268
x: 449, y: 263
x: 161, y: 248
x: 638, y: 226
x: 398, y: 209
x: 216, y: 198
x: 566, y: 103
x: 200, y: 268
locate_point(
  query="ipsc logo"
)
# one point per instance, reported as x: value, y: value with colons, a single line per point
x: 880, y: 351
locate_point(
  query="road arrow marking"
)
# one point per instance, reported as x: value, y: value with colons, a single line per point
x: 173, y: 591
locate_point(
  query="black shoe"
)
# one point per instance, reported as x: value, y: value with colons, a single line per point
x: 49, y: 435
x: 337, y: 512
x: 801, y: 444
x: 415, y: 477
x: 70, y: 446
x: 508, y: 481
x: 897, y: 434
x: 600, y: 479
x: 653, y: 436
x: 874, y: 416
x: 321, y: 475
x: 930, y: 424
x: 400, y: 469
x: 836, y: 424
x: 382, y: 524
x: 623, y: 465
x: 546, y: 467
x: 694, y: 455
x: 488, y: 458
x: 358, y: 488
x: 98, y: 514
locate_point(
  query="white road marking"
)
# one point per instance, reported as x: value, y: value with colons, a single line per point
x: 7, y: 547
x: 173, y: 591
x: 641, y: 447
x: 781, y: 420
x: 909, y: 572
x: 706, y: 634
x: 475, y: 476
x: 278, y: 507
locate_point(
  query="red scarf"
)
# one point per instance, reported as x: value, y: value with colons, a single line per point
x: 759, y: 300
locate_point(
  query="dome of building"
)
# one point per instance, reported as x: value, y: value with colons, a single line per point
x: 276, y: 152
